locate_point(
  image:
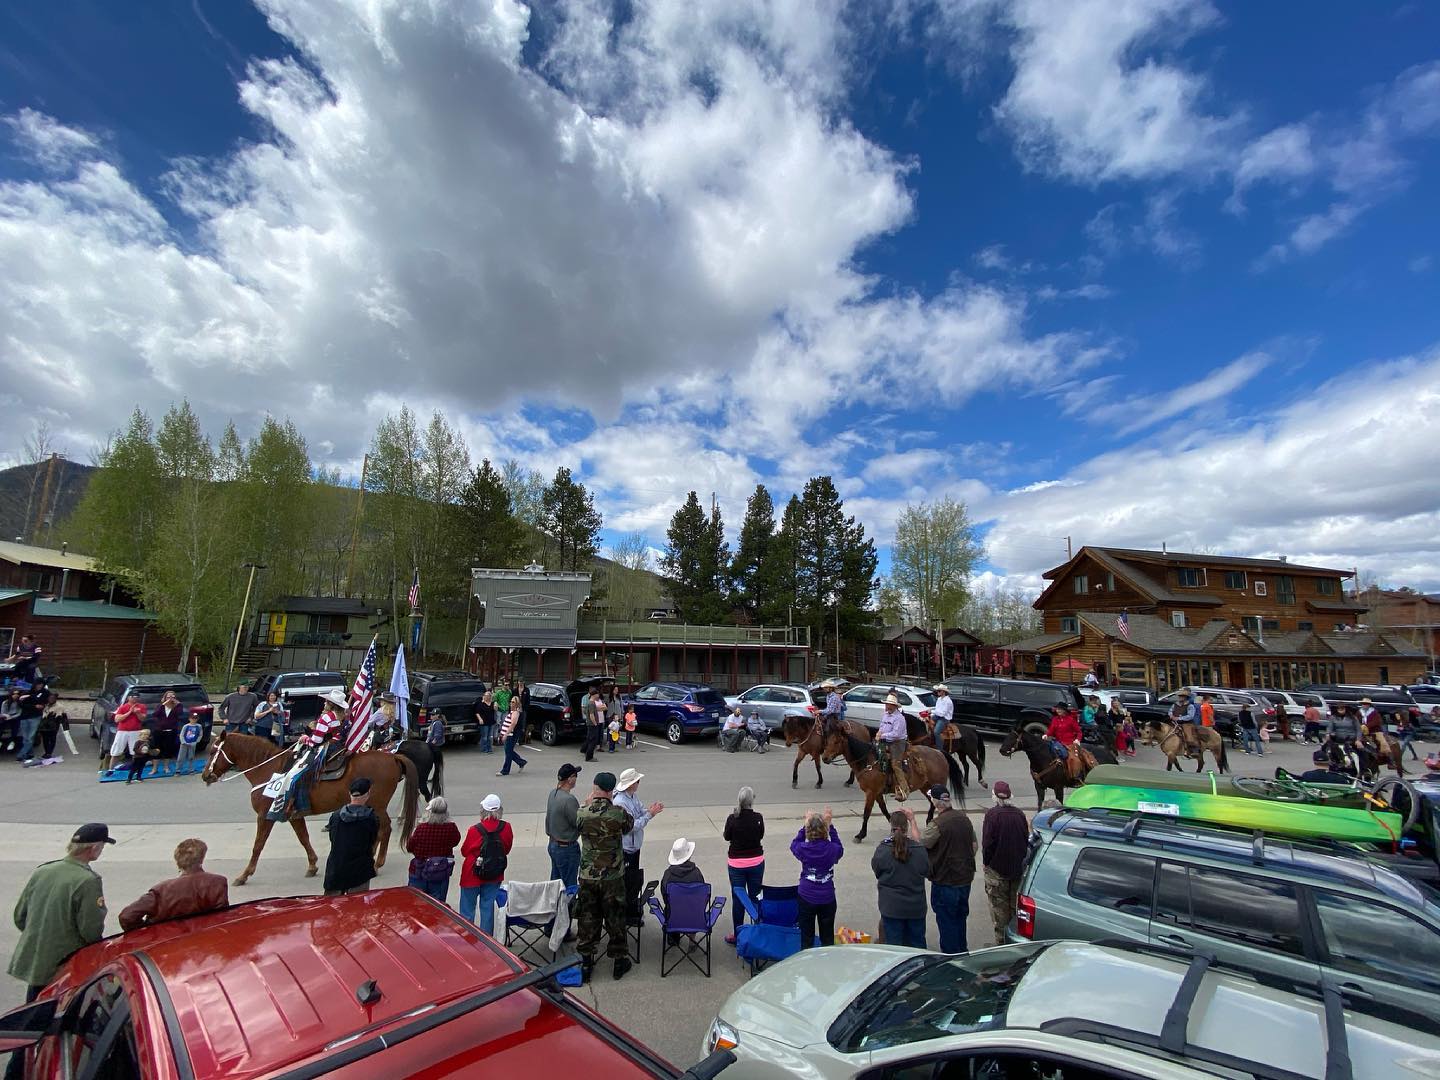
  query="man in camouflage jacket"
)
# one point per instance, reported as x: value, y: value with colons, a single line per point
x: 601, y: 900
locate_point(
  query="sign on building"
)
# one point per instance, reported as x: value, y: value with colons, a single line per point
x: 531, y: 608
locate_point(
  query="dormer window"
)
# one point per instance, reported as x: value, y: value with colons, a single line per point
x: 1082, y: 584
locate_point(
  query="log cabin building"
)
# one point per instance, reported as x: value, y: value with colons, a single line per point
x: 1168, y: 619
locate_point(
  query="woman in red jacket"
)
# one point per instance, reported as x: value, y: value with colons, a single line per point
x: 483, y: 858
x: 1064, y: 729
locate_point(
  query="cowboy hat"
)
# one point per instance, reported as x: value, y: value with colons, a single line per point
x: 1182, y: 693
x: 891, y: 699
x: 1366, y: 701
x: 337, y: 697
x: 681, y: 851
x: 628, y: 779
x: 829, y: 684
x: 940, y: 688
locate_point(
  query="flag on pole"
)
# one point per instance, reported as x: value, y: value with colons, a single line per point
x: 415, y: 591
x: 400, y: 687
x: 362, y: 698
x: 1123, y: 625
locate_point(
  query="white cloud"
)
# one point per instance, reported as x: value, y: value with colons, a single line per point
x: 48, y: 142
x: 1281, y: 155
x: 1137, y: 413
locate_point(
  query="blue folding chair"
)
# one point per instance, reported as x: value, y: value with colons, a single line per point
x: 689, y: 925
x: 773, y: 930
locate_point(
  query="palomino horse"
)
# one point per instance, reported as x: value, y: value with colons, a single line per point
x: 806, y: 735
x: 258, y: 760
x: 1047, y: 770
x: 925, y: 767
x: 1172, y: 744
x: 962, y: 742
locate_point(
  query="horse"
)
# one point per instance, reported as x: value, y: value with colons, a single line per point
x: 962, y: 742
x: 806, y: 734
x: 1395, y: 757
x: 258, y: 760
x: 426, y: 762
x: 926, y: 767
x: 1172, y: 745
x: 1364, y: 762
x: 1047, y: 770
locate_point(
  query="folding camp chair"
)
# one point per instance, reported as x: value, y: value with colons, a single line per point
x: 633, y: 929
x: 690, y: 926
x: 773, y: 930
x: 529, y: 936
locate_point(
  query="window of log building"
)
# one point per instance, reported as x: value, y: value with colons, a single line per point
x: 1285, y: 589
x: 1082, y: 583
x: 1276, y: 675
x: 1325, y: 586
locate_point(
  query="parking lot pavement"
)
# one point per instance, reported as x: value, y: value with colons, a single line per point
x: 41, y: 807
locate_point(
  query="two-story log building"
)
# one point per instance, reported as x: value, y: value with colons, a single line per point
x: 1167, y: 619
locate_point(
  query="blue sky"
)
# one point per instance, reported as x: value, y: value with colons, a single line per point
x: 1120, y: 271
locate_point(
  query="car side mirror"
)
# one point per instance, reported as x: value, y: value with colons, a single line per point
x: 27, y: 1025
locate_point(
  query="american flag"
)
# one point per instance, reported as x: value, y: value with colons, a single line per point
x: 362, y: 697
x: 1123, y: 625
x: 415, y: 591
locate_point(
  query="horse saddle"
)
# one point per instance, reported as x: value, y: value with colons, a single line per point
x: 334, y: 767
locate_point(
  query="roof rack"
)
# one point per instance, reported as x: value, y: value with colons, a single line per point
x: 1174, y: 1030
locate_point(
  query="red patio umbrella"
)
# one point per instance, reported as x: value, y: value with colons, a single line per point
x: 1072, y: 665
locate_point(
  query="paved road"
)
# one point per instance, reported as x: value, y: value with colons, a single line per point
x: 40, y: 807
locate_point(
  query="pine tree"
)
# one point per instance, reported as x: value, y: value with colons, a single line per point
x: 835, y: 562
x: 775, y: 576
x: 757, y: 537
x: 487, y: 521
x: 570, y: 519
x: 694, y: 562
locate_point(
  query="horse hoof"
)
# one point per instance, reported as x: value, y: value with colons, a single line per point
x: 794, y: 783
x: 308, y: 873
x: 860, y: 837
x: 819, y: 783
x: 241, y: 880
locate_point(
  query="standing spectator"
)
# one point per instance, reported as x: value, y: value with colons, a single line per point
x: 129, y: 719
x: 744, y: 829
x: 165, y: 725
x: 601, y: 899
x: 26, y: 658
x: 1207, y: 711
x: 817, y: 846
x: 901, y: 864
x: 61, y: 909
x: 502, y: 698
x: 602, y: 718
x: 509, y: 731
x: 144, y: 750
x: 1405, y: 731
x: 270, y: 719
x: 432, y: 847
x: 1003, y: 837
x: 523, y: 693
x: 591, y: 709
x: 194, y: 892
x: 562, y: 827
x: 485, y: 716
x: 189, y: 743
x: 238, y: 709
x: 485, y: 855
x: 10, y: 719
x: 1249, y: 732
x: 681, y: 871
x: 950, y: 841
x: 627, y: 797
x: 48, y: 729
x: 32, y: 704
x: 353, y: 830
x: 1311, y: 731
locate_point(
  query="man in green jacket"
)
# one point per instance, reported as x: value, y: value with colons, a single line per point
x: 601, y: 900
x: 60, y: 910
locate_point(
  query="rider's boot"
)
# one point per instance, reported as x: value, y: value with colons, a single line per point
x: 902, y: 787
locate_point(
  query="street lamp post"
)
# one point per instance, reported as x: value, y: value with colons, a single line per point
x: 240, y: 627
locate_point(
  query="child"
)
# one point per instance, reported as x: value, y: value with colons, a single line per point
x: 144, y: 750
x: 630, y: 725
x: 614, y: 734
x: 1128, y: 734
x: 189, y: 743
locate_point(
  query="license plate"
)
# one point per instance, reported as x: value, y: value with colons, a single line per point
x: 1169, y: 809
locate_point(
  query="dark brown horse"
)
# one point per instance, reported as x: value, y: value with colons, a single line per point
x: 258, y: 760
x: 963, y: 743
x: 1049, y: 772
x: 925, y: 767
x: 806, y: 734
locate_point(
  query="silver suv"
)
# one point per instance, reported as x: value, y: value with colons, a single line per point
x: 1227, y: 704
x: 866, y: 703
x: 1295, y: 910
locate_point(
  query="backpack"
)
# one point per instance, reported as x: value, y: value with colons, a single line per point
x: 491, y: 862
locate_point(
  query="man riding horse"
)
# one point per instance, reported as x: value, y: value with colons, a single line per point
x: 892, y: 740
x: 294, y: 797
x: 1186, y: 716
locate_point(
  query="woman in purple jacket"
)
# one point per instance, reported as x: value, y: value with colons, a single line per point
x: 818, y: 848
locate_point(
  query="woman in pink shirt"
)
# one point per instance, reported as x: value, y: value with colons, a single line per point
x: 744, y: 829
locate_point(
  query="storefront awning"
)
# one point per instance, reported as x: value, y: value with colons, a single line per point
x: 519, y: 637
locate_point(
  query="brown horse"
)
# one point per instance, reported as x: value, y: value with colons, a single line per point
x: 258, y: 760
x: 1047, y: 771
x: 925, y: 767
x: 1172, y: 744
x: 806, y: 734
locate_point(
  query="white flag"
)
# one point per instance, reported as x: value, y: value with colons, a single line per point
x: 400, y: 687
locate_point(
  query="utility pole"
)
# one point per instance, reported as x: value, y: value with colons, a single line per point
x: 940, y: 624
x: 44, y: 498
x: 1069, y: 554
x: 240, y: 627
x: 355, y: 532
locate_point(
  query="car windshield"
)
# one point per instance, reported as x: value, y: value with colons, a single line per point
x: 951, y: 997
x: 447, y: 693
x: 927, y: 699
x: 151, y: 696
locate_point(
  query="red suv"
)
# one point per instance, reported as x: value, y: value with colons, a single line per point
x: 382, y: 984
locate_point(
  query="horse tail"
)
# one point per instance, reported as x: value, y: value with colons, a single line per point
x: 410, y: 800
x: 957, y: 779
x: 1224, y: 761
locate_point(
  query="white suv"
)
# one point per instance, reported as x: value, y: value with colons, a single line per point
x: 1060, y: 1009
x: 866, y: 702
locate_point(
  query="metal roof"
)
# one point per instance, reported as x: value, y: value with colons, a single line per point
x: 29, y: 554
x: 47, y: 608
x: 504, y: 637
x: 1174, y: 558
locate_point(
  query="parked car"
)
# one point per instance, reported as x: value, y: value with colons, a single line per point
x: 866, y: 703
x: 550, y: 714
x: 773, y: 701
x: 997, y: 706
x: 1052, y: 1010
x: 1426, y: 695
x: 1290, y: 706
x: 1388, y: 700
x: 453, y: 695
x: 148, y: 690
x: 1226, y: 703
x: 1127, y: 696
x: 381, y: 984
x: 678, y: 710
x: 301, y: 692
x: 1292, y: 909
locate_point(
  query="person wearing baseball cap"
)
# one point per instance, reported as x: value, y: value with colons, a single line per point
x: 601, y: 899
x: 353, y: 831
x: 61, y: 909
x: 950, y: 840
x: 1004, y: 835
x: 562, y: 826
x: 484, y: 857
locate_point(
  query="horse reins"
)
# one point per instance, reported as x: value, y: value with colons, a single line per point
x: 220, y: 752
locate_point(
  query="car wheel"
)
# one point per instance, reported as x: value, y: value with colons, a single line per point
x: 675, y: 732
x: 549, y: 733
x: 1038, y: 730
x: 95, y: 722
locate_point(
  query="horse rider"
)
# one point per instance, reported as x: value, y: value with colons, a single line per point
x: 1372, y: 723
x: 892, y: 739
x: 1186, y: 716
x: 315, y: 748
x: 943, y: 712
x: 1345, y: 726
x: 834, y: 710
x: 382, y: 723
x: 1063, y: 732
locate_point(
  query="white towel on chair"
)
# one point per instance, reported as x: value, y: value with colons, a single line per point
x: 538, y: 901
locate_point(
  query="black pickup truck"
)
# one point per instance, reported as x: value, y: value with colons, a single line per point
x: 996, y: 706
